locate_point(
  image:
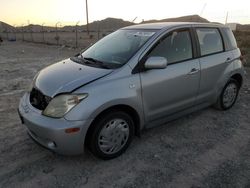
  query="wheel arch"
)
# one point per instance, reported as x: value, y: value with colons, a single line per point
x: 122, y: 107
x: 238, y: 78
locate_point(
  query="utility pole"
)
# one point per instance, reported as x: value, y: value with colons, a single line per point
x: 98, y: 31
x: 87, y: 15
x: 43, y: 32
x: 30, y: 28
x: 226, y: 18
x: 76, y: 34
x: 22, y: 32
x: 7, y: 34
x: 15, y: 31
x: 57, y: 37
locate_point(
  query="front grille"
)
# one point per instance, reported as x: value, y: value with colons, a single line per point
x: 38, y: 99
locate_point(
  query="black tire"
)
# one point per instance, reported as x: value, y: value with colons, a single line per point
x: 220, y: 105
x: 94, y: 140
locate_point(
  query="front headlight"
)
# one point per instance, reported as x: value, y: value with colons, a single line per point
x: 61, y: 104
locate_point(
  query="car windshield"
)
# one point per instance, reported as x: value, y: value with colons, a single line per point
x: 118, y: 47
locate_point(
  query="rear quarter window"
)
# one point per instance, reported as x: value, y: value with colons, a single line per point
x: 229, y: 39
x: 210, y: 41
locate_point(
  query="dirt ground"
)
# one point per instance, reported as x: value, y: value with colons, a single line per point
x: 208, y: 148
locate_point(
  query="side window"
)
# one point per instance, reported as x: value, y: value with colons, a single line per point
x: 229, y: 38
x: 210, y: 40
x: 175, y: 47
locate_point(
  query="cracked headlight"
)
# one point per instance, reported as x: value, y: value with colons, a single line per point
x: 62, y: 104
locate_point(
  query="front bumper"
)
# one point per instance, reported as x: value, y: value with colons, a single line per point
x: 50, y: 132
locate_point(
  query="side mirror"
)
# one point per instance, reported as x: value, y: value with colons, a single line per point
x: 156, y: 63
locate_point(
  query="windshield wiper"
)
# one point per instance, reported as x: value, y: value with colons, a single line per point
x: 96, y: 62
x: 92, y: 60
x: 77, y: 59
x: 88, y: 61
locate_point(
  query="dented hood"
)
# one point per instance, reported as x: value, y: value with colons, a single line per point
x: 65, y: 76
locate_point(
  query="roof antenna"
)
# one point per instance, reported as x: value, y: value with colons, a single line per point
x: 203, y: 8
x: 134, y: 19
x: 226, y: 18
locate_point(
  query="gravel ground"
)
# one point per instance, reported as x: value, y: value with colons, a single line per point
x: 208, y: 148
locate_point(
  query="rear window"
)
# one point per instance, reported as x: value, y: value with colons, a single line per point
x: 210, y: 41
x: 229, y: 39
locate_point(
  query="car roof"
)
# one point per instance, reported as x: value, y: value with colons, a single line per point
x: 167, y: 25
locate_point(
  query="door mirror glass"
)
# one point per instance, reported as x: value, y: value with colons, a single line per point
x: 156, y: 63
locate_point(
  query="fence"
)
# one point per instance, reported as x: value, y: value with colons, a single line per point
x: 75, y: 38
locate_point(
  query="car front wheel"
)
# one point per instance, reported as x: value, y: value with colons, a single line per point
x: 112, y: 135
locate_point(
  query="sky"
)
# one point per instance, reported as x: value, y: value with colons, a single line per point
x: 68, y: 12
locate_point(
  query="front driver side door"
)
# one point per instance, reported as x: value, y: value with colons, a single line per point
x: 169, y: 90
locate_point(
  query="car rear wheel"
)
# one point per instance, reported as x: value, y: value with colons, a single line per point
x: 112, y: 134
x: 228, y: 95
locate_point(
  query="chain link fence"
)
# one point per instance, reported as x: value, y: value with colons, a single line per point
x: 75, y: 38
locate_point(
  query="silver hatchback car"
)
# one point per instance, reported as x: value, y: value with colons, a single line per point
x: 135, y: 78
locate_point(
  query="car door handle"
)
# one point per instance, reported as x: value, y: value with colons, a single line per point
x: 193, y: 71
x: 228, y: 60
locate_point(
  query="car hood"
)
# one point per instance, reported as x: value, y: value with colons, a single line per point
x: 65, y: 76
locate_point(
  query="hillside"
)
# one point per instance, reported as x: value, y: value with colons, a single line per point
x: 240, y: 27
x: 5, y: 26
x: 109, y: 24
x: 191, y: 18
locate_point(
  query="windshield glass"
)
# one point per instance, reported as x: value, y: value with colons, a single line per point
x: 118, y: 47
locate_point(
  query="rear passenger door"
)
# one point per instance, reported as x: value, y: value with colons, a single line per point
x: 169, y: 90
x: 213, y: 61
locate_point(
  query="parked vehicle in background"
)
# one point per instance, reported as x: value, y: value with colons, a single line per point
x: 135, y: 78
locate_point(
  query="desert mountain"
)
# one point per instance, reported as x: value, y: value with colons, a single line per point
x: 106, y: 24
x: 109, y: 24
x: 191, y: 18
